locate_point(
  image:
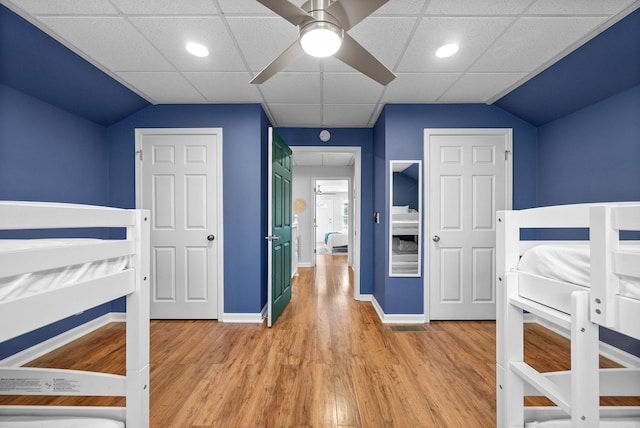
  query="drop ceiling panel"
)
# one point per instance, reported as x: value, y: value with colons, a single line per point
x: 292, y: 88
x: 531, y: 42
x: 296, y: 115
x: 479, y: 86
x: 112, y: 42
x: 67, y: 7
x: 347, y: 115
x: 350, y: 88
x: 249, y: 7
x: 166, y: 7
x: 578, y: 7
x: 474, y: 35
x: 164, y: 87
x: 225, y: 88
x: 419, y: 87
x: 477, y: 7
x: 397, y: 8
x: 382, y: 37
x: 170, y: 36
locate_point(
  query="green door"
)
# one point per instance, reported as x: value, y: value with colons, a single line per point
x: 280, y: 218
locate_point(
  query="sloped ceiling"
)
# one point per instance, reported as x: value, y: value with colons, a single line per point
x: 37, y: 65
x: 140, y: 44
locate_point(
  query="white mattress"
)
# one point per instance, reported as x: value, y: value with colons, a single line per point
x: 571, y: 263
x: 57, y: 422
x: 24, y: 285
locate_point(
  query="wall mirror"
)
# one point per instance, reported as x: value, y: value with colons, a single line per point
x: 405, y: 226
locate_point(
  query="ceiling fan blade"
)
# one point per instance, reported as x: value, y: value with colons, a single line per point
x: 354, y: 55
x: 288, y: 11
x: 290, y: 54
x: 350, y: 12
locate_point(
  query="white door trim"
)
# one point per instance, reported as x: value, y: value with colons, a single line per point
x: 356, y: 209
x: 139, y: 133
x: 269, y: 226
x: 427, y: 201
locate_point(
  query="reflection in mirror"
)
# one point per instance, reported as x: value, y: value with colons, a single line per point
x: 405, y: 227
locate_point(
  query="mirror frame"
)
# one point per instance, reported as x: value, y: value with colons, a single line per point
x: 399, y: 166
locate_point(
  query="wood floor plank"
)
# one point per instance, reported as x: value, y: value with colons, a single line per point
x: 327, y: 362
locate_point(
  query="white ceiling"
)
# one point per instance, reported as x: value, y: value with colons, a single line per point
x: 319, y: 158
x: 332, y: 186
x: 141, y: 43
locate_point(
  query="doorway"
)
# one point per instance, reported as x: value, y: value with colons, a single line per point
x: 313, y: 163
x: 332, y: 216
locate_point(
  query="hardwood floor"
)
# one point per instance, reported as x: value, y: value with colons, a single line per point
x: 327, y: 362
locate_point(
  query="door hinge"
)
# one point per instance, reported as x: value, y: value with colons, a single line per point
x: 139, y: 152
x: 507, y: 153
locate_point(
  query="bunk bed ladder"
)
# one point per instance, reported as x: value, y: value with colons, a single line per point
x: 577, y: 391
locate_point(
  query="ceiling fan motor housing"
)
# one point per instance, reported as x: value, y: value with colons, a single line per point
x: 322, y: 36
x: 322, y: 32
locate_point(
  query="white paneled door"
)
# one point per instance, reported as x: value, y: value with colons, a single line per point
x: 324, y: 217
x: 178, y: 176
x: 469, y: 179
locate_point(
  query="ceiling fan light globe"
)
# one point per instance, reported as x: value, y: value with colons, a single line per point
x: 321, y: 39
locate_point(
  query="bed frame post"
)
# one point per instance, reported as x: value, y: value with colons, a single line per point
x: 137, y: 412
x: 509, y: 323
x: 605, y: 284
x: 585, y: 369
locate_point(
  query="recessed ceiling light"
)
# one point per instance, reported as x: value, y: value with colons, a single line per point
x: 447, y: 50
x: 197, y: 49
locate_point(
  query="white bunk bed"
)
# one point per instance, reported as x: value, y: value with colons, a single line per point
x: 405, y: 222
x: 609, y: 297
x: 43, y: 281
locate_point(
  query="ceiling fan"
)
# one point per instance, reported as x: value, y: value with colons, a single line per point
x: 322, y: 31
x: 320, y: 192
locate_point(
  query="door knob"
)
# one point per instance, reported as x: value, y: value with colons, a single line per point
x: 436, y: 238
x: 210, y: 238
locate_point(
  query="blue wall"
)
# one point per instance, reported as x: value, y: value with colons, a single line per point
x: 47, y: 154
x: 348, y: 137
x: 380, y: 201
x: 404, y: 139
x: 243, y: 176
x: 406, y: 187
x: 592, y: 155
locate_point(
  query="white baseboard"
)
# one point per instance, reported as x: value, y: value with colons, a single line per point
x: 396, y: 318
x: 254, y: 318
x: 30, y: 354
x: 364, y: 297
x: 611, y: 352
x: 305, y: 264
